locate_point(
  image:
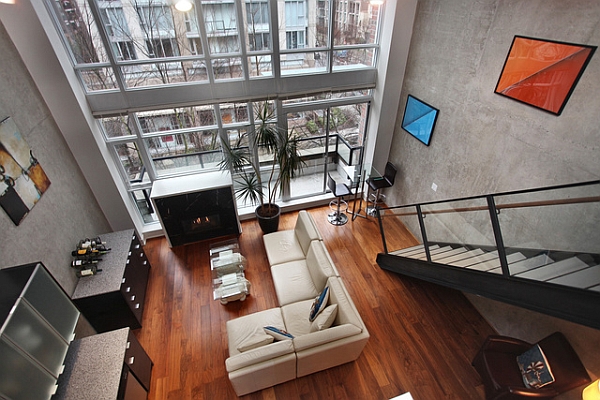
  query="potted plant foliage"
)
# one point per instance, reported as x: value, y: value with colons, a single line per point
x: 282, y: 146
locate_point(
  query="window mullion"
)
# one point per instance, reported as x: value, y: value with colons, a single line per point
x: 144, y: 151
x: 204, y: 40
x: 107, y: 44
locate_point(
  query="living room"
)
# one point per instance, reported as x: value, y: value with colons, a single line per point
x: 483, y: 144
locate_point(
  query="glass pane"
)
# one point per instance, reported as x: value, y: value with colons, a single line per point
x: 118, y: 126
x: 141, y: 199
x: 299, y: 29
x: 176, y: 118
x: 349, y: 122
x: 256, y: 20
x: 237, y: 137
x: 129, y: 156
x: 227, y: 68
x: 22, y: 378
x: 192, y: 32
x: 457, y: 228
x: 303, y: 63
x: 555, y: 231
x: 164, y: 73
x: 311, y: 180
x: 99, y: 78
x: 80, y: 30
x: 402, y: 231
x: 36, y: 337
x: 353, y: 58
x: 221, y: 26
x: 184, y: 152
x: 260, y: 66
x: 234, y: 112
x: 356, y: 22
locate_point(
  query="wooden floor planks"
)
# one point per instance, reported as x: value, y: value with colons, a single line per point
x: 423, y: 336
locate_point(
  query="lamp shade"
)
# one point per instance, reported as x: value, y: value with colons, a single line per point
x: 592, y: 392
x: 183, y: 5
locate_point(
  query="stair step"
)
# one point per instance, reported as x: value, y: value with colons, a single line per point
x: 529, y: 263
x: 416, y: 253
x: 402, y: 252
x: 433, y: 252
x: 476, y: 260
x: 584, y: 278
x: 446, y: 254
x: 595, y: 288
x: 555, y: 269
x: 461, y: 256
x: 494, y: 265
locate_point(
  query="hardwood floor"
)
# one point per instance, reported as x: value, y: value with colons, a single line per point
x: 423, y: 336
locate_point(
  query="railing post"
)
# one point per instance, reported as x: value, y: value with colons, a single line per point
x: 423, y: 233
x: 377, y: 212
x: 498, y: 235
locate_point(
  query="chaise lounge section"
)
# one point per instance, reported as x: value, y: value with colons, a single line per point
x: 305, y: 280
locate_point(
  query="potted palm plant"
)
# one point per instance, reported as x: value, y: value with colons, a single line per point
x: 282, y: 146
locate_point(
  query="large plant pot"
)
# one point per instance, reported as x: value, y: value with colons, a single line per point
x: 268, y: 221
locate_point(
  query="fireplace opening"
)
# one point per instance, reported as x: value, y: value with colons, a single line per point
x: 201, y: 224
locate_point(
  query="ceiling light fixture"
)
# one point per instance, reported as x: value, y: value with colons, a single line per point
x: 183, y: 5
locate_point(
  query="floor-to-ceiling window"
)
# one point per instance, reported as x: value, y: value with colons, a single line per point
x: 168, y: 87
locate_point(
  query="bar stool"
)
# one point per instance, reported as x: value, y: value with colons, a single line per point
x: 378, y: 183
x: 339, y: 190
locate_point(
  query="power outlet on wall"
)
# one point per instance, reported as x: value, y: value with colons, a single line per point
x: 434, y: 187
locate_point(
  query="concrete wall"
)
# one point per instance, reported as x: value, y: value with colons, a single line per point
x: 485, y: 143
x: 68, y: 210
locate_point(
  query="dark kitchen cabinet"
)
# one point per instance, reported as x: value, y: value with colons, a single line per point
x: 114, y: 298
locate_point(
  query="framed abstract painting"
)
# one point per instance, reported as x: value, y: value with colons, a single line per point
x: 22, y: 179
x: 543, y: 73
x: 419, y: 119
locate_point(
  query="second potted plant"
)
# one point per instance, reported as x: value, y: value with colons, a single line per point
x: 286, y: 161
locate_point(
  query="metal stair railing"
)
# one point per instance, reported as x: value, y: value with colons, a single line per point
x: 545, y: 241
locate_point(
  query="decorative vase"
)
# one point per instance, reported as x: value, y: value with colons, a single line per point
x: 268, y: 217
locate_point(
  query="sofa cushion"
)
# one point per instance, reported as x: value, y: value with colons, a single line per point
x: 295, y: 316
x: 325, y: 319
x: 325, y: 336
x: 277, y: 334
x: 290, y: 245
x: 319, y: 264
x: 255, y: 341
x: 241, y: 329
x: 293, y: 282
x: 259, y: 354
x: 282, y: 246
x: 319, y: 304
x: 347, y: 312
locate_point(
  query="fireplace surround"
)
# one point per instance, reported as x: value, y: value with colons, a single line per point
x: 196, y: 207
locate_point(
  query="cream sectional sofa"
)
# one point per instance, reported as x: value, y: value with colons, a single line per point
x: 301, y: 269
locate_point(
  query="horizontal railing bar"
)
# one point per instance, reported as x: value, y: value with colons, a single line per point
x: 589, y: 183
x: 579, y: 200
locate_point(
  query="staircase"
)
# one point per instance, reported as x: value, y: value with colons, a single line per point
x: 518, y: 262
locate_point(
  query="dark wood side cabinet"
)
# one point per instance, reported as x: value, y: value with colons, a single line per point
x: 110, y: 365
x: 114, y: 298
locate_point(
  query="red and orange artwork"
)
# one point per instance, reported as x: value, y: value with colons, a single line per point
x: 543, y: 73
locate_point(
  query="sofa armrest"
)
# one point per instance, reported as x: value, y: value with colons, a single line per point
x: 325, y: 336
x: 259, y: 354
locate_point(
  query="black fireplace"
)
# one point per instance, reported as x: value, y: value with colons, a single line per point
x: 207, y: 213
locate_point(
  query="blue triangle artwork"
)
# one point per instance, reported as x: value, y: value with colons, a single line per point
x: 419, y: 119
